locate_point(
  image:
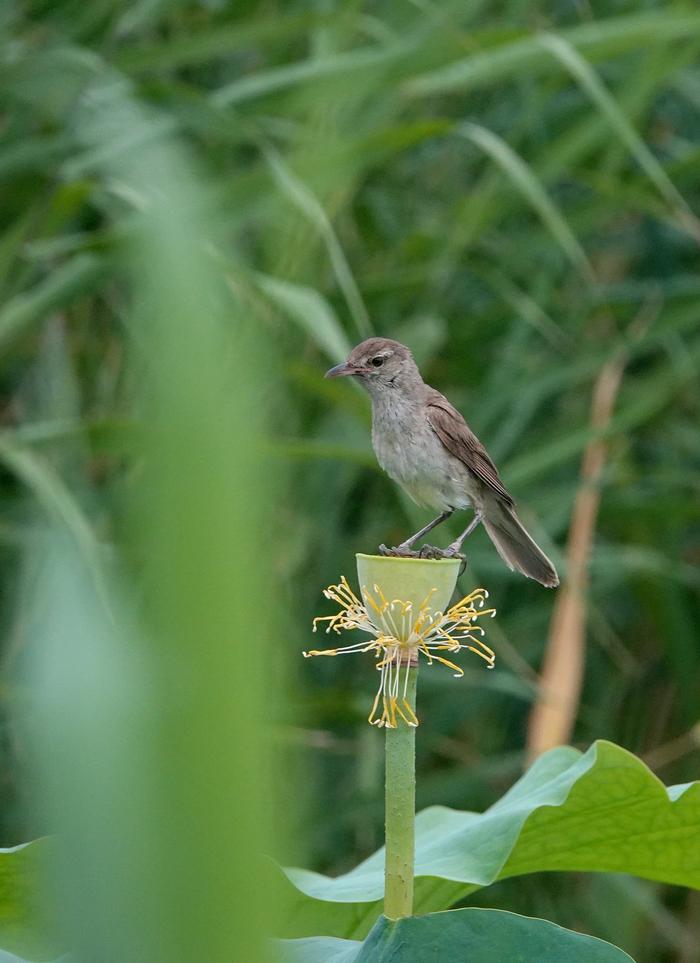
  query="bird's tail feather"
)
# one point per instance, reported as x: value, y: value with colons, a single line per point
x: 517, y: 549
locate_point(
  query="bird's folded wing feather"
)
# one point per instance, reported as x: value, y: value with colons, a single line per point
x: 456, y: 435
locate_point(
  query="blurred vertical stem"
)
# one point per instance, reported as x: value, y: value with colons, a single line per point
x: 188, y: 883
x: 400, y: 796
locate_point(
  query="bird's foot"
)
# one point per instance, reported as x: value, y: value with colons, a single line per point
x: 400, y: 551
x: 426, y: 551
x: 453, y: 551
x: 431, y: 551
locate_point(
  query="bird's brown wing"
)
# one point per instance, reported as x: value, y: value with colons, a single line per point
x: 456, y: 435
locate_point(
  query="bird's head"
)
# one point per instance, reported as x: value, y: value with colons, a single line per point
x: 380, y: 364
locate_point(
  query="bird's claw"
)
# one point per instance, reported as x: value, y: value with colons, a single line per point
x: 431, y: 551
x: 453, y: 552
x: 398, y: 552
x: 426, y: 551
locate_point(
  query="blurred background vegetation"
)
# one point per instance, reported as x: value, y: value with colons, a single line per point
x: 508, y: 187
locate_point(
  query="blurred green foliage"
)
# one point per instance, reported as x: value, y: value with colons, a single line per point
x: 505, y: 186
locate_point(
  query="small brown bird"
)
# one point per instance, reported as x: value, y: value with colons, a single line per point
x: 425, y: 445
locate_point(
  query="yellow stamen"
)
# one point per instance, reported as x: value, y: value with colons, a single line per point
x: 410, y: 634
x: 489, y: 659
x: 458, y: 672
x: 406, y: 712
x: 370, y: 717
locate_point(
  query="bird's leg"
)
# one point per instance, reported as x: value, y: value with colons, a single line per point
x: 405, y: 549
x: 453, y: 549
x: 442, y: 517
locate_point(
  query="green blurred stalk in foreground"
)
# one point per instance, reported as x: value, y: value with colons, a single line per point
x: 153, y: 766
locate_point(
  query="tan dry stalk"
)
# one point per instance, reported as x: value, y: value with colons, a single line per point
x: 553, y: 715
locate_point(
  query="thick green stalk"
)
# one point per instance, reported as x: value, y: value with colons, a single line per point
x: 400, y: 796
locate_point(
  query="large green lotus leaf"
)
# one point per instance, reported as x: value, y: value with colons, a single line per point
x: 600, y: 811
x: 460, y: 936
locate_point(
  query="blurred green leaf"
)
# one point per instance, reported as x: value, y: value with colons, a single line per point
x: 57, y: 501
x: 567, y: 55
x: 65, y: 284
x: 205, y: 43
x: 307, y: 308
x: 534, y: 192
x: 602, y: 38
x: 303, y: 199
x: 313, y: 70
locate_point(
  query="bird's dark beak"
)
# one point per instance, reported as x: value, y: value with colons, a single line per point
x: 341, y: 370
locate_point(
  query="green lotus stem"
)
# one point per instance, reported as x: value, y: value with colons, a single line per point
x: 405, y: 610
x: 400, y: 796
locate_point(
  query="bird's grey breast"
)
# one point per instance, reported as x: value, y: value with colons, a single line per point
x: 412, y: 455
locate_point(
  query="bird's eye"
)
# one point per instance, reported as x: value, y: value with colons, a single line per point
x: 377, y: 362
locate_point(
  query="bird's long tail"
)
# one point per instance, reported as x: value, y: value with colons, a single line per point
x: 517, y: 549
